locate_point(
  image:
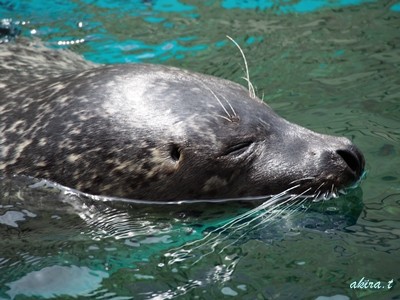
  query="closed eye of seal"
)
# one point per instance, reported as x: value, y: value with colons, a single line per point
x: 238, y: 149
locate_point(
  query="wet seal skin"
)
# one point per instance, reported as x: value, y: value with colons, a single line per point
x: 154, y: 132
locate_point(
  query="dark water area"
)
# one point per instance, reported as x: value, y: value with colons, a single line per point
x: 331, y: 66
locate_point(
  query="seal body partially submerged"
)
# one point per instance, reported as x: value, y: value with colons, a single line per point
x: 161, y: 133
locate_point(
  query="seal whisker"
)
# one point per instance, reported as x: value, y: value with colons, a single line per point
x: 291, y: 201
x: 223, y: 117
x: 247, y: 78
x: 265, y: 214
x: 231, y: 107
x: 320, y: 186
x: 317, y: 195
x: 219, y: 101
x: 252, y: 93
x: 273, y: 213
x: 208, y: 239
x: 267, y: 206
x: 302, y: 179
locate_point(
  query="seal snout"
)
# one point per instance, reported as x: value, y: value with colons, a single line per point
x: 339, y: 165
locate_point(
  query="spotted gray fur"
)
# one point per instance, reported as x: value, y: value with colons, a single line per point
x: 155, y: 132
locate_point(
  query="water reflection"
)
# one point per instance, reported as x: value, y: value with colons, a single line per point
x: 92, y: 239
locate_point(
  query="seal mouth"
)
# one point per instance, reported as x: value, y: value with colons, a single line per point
x: 325, y: 191
x: 345, y: 172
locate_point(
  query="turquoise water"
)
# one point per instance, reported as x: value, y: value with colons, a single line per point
x: 332, y: 66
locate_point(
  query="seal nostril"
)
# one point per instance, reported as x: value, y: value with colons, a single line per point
x: 351, y: 160
x: 175, y: 153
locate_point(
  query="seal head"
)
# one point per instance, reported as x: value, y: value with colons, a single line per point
x: 161, y: 133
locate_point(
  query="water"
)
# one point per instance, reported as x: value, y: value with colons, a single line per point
x: 332, y: 66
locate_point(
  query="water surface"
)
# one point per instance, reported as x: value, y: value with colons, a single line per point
x: 332, y: 66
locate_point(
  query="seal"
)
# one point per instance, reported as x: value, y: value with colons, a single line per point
x: 155, y: 132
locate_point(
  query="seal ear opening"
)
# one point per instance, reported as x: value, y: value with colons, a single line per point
x: 175, y: 153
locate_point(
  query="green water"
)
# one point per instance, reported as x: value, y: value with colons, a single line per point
x: 334, y: 70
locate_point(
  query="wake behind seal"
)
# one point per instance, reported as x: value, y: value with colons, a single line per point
x: 154, y: 132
